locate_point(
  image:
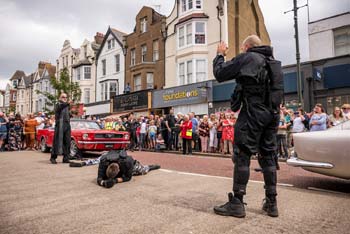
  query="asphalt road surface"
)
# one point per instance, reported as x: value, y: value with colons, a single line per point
x: 38, y: 197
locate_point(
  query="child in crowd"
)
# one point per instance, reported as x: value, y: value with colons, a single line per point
x: 159, y: 142
x: 152, y: 132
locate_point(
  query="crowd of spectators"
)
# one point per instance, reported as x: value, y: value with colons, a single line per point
x: 18, y: 132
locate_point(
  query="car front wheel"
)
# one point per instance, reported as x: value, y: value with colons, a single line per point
x: 75, y: 153
x: 43, y: 146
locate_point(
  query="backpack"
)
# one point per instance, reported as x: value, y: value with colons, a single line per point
x: 274, y: 84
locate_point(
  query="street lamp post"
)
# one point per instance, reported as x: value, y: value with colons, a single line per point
x: 299, y: 82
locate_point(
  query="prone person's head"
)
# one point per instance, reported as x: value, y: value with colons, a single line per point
x: 112, y: 170
x: 249, y: 42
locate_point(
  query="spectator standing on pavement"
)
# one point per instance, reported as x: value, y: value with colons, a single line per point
x: 186, y: 135
x: 30, y: 124
x: 346, y: 110
x: 219, y: 134
x: 282, y: 147
x: 336, y: 117
x: 195, y: 136
x: 256, y: 127
x: 298, y: 122
x: 318, y: 120
x: 170, y: 125
x: 3, y: 130
x: 213, y: 140
x: 204, y: 133
x: 143, y: 133
x: 227, y: 134
x: 164, y: 131
x: 62, y: 136
x: 177, y: 130
x: 152, y: 133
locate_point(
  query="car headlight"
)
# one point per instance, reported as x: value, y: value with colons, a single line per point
x: 85, y: 136
x: 126, y: 137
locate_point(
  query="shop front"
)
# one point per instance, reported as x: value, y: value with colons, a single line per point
x: 138, y: 103
x: 184, y: 99
x: 221, y: 97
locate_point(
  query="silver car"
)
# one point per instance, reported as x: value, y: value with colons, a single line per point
x: 324, y: 152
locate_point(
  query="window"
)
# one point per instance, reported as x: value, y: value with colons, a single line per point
x: 144, y: 25
x: 189, y: 72
x: 155, y: 50
x: 86, y: 96
x: 46, y: 86
x: 110, y: 43
x: 150, y: 84
x: 21, y: 109
x: 63, y: 62
x: 200, y: 33
x: 14, y: 97
x: 187, y: 5
x: 78, y: 73
x: 186, y: 32
x: 106, y: 92
x: 186, y: 71
x: 189, y: 34
x: 133, y: 57
x: 198, y: 4
x: 117, y: 63
x: 87, y: 73
x: 342, y: 41
x: 181, y: 37
x: 182, y: 73
x: 201, y: 71
x: 22, y: 93
x: 104, y: 67
x: 66, y: 60
x: 112, y: 89
x: 102, y: 89
x: 143, y: 53
x: 137, y: 83
x: 85, y: 51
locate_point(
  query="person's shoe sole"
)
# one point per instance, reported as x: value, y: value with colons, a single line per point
x: 229, y: 214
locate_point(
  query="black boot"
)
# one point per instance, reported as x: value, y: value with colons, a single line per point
x: 65, y: 160
x: 77, y: 164
x: 153, y: 167
x: 234, y: 207
x: 53, y: 161
x: 270, y: 207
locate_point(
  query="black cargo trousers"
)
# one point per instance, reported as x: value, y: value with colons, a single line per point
x: 255, y: 132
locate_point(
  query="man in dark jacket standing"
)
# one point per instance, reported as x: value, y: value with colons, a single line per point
x: 62, y: 137
x: 256, y: 127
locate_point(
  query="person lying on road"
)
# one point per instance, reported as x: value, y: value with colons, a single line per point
x: 116, y: 167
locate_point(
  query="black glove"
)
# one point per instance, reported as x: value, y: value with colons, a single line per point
x: 108, y: 183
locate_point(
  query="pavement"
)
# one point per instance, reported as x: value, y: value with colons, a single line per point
x: 38, y: 197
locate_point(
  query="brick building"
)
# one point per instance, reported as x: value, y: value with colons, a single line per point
x: 144, y: 61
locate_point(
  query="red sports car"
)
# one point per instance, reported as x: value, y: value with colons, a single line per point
x: 86, y: 135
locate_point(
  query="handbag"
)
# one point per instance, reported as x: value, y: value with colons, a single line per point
x: 189, y: 132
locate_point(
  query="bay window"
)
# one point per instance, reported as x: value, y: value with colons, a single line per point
x: 191, y: 33
x: 192, y: 71
x: 182, y: 73
x: 201, y: 70
x: 189, y: 72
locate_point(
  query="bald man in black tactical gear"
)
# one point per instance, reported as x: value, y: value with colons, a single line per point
x: 256, y: 127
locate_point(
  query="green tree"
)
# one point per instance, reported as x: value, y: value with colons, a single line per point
x: 61, y: 85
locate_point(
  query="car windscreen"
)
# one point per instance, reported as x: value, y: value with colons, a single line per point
x: 87, y: 125
x: 343, y: 126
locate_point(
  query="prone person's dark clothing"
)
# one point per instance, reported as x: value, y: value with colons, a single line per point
x: 257, y: 124
x: 125, y: 162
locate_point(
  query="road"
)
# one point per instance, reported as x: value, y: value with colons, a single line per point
x: 217, y: 166
x: 38, y: 197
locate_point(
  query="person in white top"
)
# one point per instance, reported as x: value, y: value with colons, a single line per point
x: 298, y: 125
x: 143, y: 132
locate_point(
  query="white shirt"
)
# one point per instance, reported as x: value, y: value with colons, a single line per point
x: 298, y: 125
x: 40, y: 121
x: 143, y: 128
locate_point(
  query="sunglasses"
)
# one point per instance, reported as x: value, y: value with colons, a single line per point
x: 63, y: 97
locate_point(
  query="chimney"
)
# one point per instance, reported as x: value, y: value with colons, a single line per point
x: 99, y: 38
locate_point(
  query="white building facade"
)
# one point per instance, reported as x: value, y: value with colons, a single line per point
x: 66, y: 59
x: 110, y: 63
x: 84, y: 70
x: 329, y: 37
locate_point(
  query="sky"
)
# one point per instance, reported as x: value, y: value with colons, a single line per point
x: 34, y: 30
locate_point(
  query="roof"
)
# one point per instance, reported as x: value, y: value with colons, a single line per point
x: 192, y: 16
x: 18, y: 75
x: 81, y: 63
x: 28, y: 80
x: 330, y: 17
x: 118, y: 35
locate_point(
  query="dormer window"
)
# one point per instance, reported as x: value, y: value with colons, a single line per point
x: 189, y: 5
x: 144, y: 25
x: 110, y: 44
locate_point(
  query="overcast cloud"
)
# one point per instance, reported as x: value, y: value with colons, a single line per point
x: 34, y: 30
